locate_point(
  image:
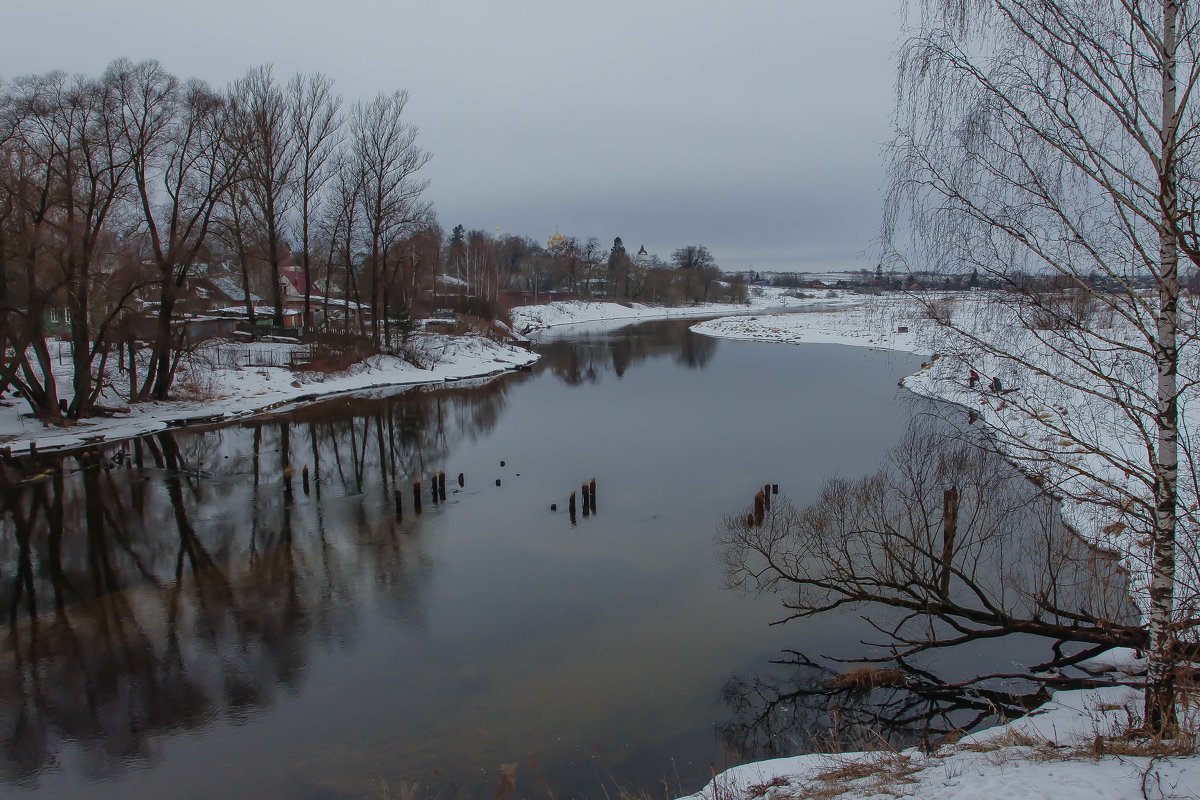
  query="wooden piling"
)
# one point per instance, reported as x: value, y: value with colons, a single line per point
x: 433, y: 492
x: 774, y: 488
x: 592, y: 494
x: 949, y: 532
x: 497, y: 481
x: 767, y: 496
x: 586, y: 503
x: 417, y: 496
x: 442, y: 485
x: 304, y: 478
x: 571, y: 504
x: 502, y: 462
x: 554, y: 506
x: 399, y: 497
x: 759, y: 508
x: 461, y: 480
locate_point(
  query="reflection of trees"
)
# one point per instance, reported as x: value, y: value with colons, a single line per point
x: 814, y: 709
x: 154, y: 586
x: 586, y: 358
x: 945, y: 549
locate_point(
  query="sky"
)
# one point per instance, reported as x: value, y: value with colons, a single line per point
x: 755, y: 128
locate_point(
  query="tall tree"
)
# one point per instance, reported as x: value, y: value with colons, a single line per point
x: 178, y: 137
x: 270, y: 163
x: 388, y: 158
x: 315, y: 126
x: 1058, y: 139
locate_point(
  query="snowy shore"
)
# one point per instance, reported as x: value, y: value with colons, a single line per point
x: 1050, y: 753
x: 573, y: 312
x: 229, y: 380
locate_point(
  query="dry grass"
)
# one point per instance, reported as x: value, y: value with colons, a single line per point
x: 876, y: 774
x: 866, y: 678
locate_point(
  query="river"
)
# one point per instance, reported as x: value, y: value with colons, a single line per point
x: 187, y: 618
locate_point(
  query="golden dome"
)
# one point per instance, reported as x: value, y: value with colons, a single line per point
x: 555, y: 241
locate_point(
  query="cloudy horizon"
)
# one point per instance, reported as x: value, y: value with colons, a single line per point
x: 755, y: 129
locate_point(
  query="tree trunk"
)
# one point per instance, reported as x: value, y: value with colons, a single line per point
x: 1160, y: 675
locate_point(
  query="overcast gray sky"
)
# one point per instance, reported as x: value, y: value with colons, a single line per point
x: 755, y: 127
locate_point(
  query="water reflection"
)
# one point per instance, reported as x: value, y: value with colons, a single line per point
x: 156, y: 586
x: 585, y: 357
x: 980, y: 598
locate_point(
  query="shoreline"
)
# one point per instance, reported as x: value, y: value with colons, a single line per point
x: 1063, y: 729
x: 251, y: 391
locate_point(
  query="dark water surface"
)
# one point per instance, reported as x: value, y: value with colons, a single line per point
x: 197, y: 625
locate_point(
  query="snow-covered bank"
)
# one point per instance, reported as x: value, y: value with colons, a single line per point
x: 1072, y: 747
x: 1029, y: 418
x: 573, y: 312
x: 1077, y: 441
x: 886, y: 322
x: 224, y: 381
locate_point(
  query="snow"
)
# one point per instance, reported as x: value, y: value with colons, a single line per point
x: 1051, y: 754
x: 573, y: 312
x: 228, y: 379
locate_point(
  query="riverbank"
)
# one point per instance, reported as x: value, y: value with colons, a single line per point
x: 1075, y: 747
x: 573, y: 312
x: 1078, y: 745
x: 226, y: 380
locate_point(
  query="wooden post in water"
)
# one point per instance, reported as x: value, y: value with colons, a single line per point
x: 571, y: 504
x: 759, y: 508
x: 417, y: 496
x: 592, y: 495
x: 442, y: 485
x: 949, y: 532
x: 774, y: 488
x: 433, y: 492
x: 586, y: 503
x: 461, y: 480
x: 399, y: 496
x: 304, y: 477
x: 767, y: 496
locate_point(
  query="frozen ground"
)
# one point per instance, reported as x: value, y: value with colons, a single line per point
x: 227, y: 380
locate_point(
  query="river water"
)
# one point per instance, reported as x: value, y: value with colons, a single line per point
x: 188, y: 620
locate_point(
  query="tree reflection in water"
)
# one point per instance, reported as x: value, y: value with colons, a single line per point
x: 1009, y: 574
x: 155, y: 586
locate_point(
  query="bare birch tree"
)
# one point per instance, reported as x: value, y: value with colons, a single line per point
x: 1051, y: 145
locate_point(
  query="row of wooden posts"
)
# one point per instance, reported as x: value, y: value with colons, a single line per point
x: 437, y: 491
x: 588, y: 492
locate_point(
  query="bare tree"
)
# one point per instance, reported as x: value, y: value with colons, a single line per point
x: 1058, y: 138
x: 384, y: 147
x: 315, y: 126
x: 270, y: 166
x: 944, y: 546
x: 178, y: 139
